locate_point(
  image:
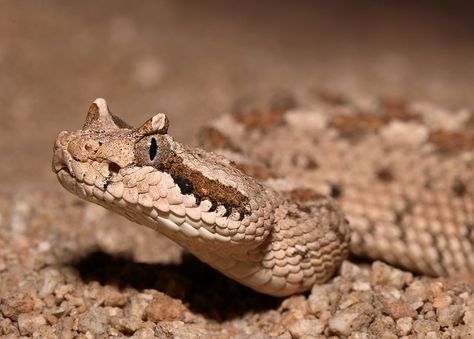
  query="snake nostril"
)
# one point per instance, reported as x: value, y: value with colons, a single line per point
x: 91, y: 146
x: 114, y: 168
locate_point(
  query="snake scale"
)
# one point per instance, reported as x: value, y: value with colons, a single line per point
x: 289, y: 190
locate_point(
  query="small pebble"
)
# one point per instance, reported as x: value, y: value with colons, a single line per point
x: 165, y: 308
x: 383, y: 275
x: 450, y: 316
x: 361, y: 286
x: 112, y: 297
x: 399, y: 310
x: 319, y: 299
x: 422, y: 326
x: 93, y: 321
x: 14, y: 305
x: 29, y: 323
x: 354, y: 318
x: 306, y: 327
x: 404, y: 325
x: 144, y: 333
x: 469, y: 316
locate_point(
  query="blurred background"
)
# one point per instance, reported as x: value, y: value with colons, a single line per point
x: 192, y: 59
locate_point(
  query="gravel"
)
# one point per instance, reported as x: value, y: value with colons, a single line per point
x: 64, y: 276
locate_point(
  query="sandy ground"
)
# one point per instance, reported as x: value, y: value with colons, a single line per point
x: 64, y: 264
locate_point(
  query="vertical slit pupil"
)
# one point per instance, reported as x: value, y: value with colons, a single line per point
x: 153, y: 148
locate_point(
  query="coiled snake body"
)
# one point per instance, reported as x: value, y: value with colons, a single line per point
x: 268, y: 217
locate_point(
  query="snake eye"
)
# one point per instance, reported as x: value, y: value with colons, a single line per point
x: 153, y: 149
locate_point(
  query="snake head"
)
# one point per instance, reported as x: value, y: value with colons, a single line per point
x: 88, y: 160
x: 143, y: 173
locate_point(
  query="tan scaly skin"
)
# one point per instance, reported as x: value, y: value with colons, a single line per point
x: 276, y: 239
x: 403, y: 173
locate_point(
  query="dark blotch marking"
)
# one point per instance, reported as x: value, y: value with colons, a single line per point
x: 312, y: 164
x: 198, y: 200
x: 114, y: 168
x: 399, y: 217
x: 228, y: 210
x: 153, y: 149
x: 304, y: 208
x: 336, y: 191
x: 357, y: 125
x: 293, y: 215
x: 304, y: 254
x: 213, y: 206
x: 459, y: 188
x: 304, y: 202
x: 331, y: 98
x: 185, y: 185
x: 260, y: 119
x: 304, y: 195
x: 385, y: 175
x: 106, y: 183
x: 427, y: 184
x: 264, y: 110
x: 451, y: 142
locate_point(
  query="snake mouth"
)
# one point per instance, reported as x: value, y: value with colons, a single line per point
x: 71, y: 175
x: 62, y: 170
x: 98, y: 182
x: 64, y: 174
x: 68, y: 181
x: 58, y: 164
x: 71, y: 182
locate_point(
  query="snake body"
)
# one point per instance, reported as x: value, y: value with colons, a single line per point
x: 289, y: 191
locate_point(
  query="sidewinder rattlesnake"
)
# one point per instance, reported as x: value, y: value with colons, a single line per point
x: 263, y: 208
